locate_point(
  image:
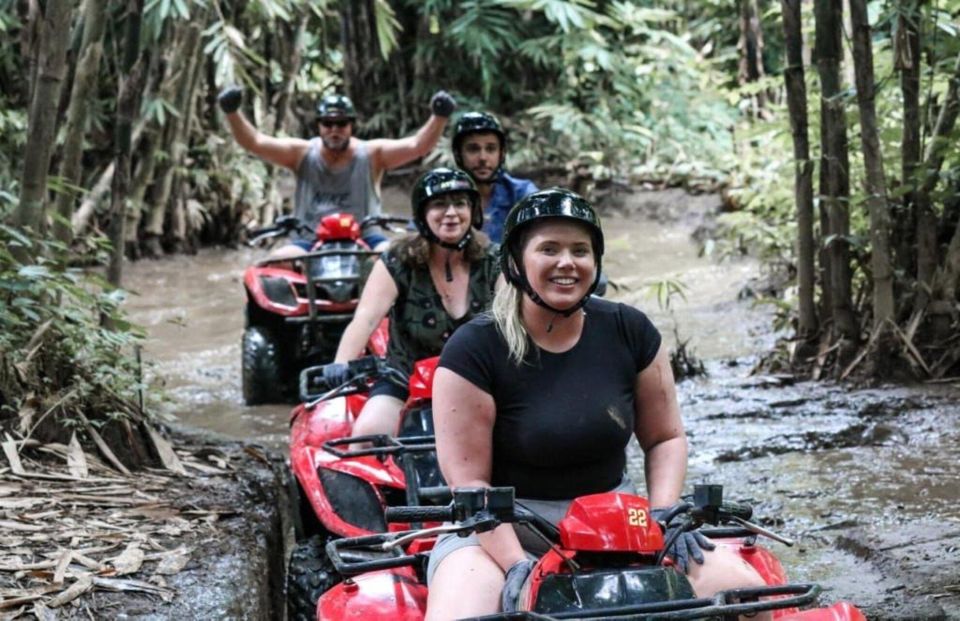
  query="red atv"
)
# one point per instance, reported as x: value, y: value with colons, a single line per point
x: 337, y: 491
x: 606, y: 561
x: 292, y: 320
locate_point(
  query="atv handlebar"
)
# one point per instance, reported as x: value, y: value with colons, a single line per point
x: 284, y: 225
x: 385, y: 222
x: 481, y: 509
x: 362, y: 371
x: 419, y: 514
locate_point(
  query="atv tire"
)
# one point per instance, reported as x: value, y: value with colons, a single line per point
x: 309, y: 575
x: 305, y: 521
x: 262, y: 377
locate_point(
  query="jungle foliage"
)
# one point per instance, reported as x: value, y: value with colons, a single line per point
x: 110, y: 126
x: 108, y: 122
x: 68, y: 358
x: 887, y: 301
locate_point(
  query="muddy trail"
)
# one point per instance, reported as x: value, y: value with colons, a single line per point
x: 866, y: 480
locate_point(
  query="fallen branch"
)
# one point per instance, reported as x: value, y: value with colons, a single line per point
x: 863, y: 352
x: 102, y: 445
x: 78, y: 588
x: 912, y: 350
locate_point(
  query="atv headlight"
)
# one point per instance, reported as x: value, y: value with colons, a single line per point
x: 278, y: 290
x: 354, y: 500
x: 339, y: 291
x: 610, y: 589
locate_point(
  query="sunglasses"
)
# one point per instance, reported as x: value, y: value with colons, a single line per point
x: 336, y: 123
x: 446, y: 203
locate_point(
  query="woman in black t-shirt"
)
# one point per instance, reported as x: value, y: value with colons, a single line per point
x: 544, y: 396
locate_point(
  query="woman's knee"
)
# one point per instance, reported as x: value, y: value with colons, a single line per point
x: 722, y: 569
x: 380, y: 415
x: 466, y: 583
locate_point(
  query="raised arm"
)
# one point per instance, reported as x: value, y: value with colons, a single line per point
x: 659, y: 429
x: 379, y: 294
x: 463, y: 418
x: 285, y: 152
x: 387, y: 154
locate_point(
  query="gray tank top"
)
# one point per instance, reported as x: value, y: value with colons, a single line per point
x: 321, y: 191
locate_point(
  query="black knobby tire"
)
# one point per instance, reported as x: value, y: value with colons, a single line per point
x: 262, y: 374
x: 309, y: 575
x: 305, y: 521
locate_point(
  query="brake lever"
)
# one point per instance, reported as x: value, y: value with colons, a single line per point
x: 759, y: 530
x: 335, y: 392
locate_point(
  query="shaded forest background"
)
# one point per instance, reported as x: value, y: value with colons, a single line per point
x: 830, y: 128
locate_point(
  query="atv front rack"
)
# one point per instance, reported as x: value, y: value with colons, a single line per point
x: 383, y: 445
x: 724, y: 605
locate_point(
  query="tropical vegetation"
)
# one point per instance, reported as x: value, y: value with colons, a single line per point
x: 829, y: 127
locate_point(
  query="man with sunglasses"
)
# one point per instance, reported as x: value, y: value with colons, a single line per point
x: 336, y: 171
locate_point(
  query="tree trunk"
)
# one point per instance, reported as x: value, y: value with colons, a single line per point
x: 937, y: 148
x: 835, y: 161
x: 84, y: 83
x: 292, y: 51
x: 750, y: 49
x: 361, y: 55
x: 128, y: 104
x: 53, y: 36
x: 179, y: 85
x: 82, y: 216
x: 907, y: 61
x: 876, y: 185
x: 141, y: 181
x: 186, y: 100
x: 803, y: 167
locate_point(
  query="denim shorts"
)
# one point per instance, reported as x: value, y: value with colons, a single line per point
x: 551, y: 510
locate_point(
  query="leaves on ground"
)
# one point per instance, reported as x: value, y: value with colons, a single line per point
x: 71, y: 525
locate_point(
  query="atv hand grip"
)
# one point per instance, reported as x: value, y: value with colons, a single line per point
x: 419, y: 514
x: 735, y: 510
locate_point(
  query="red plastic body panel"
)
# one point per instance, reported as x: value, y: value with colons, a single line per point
x: 610, y: 522
x: 377, y: 343
x: 338, y: 227
x: 421, y: 381
x: 333, y: 227
x: 309, y: 429
x: 841, y: 611
x: 333, y: 419
x: 395, y: 595
x: 251, y: 280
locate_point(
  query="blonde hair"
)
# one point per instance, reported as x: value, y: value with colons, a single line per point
x: 506, y: 311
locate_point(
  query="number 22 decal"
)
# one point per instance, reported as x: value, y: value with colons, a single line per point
x: 636, y: 517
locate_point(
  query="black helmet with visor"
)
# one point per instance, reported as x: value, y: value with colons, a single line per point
x: 554, y: 203
x: 438, y: 182
x: 478, y: 123
x: 336, y: 107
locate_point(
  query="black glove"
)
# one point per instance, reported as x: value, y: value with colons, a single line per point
x: 336, y: 374
x: 230, y: 99
x: 685, y: 544
x: 443, y: 104
x: 516, y: 576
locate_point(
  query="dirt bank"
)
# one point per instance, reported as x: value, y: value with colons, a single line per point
x: 204, y: 544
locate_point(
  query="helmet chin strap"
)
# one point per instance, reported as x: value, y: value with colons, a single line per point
x: 520, y: 278
x: 457, y: 247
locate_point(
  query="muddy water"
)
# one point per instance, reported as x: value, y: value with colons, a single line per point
x: 192, y: 308
x: 816, y: 459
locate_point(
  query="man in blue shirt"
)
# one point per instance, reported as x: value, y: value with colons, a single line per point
x: 480, y: 148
